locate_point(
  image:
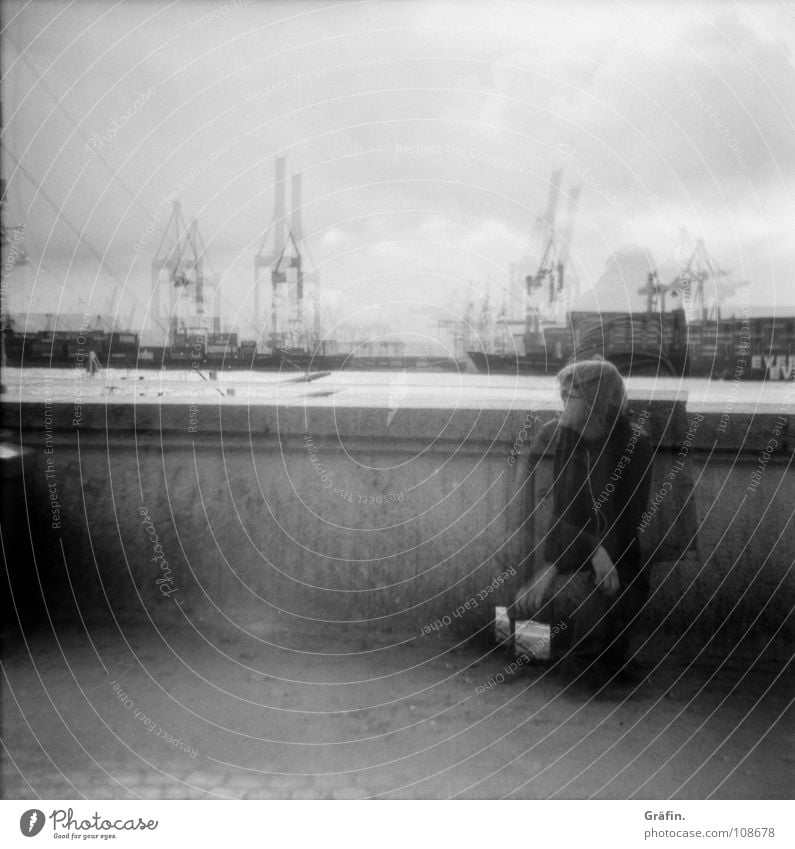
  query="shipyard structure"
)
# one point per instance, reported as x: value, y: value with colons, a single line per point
x: 184, y: 308
x: 680, y: 331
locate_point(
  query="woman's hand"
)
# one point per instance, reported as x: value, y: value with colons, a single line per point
x: 605, y: 572
x: 530, y: 597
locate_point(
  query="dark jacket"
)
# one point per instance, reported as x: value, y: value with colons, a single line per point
x: 599, y: 492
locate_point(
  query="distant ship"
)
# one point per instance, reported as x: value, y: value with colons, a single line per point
x: 636, y: 343
x: 71, y: 348
x: 546, y: 351
x: 657, y: 341
x: 658, y: 344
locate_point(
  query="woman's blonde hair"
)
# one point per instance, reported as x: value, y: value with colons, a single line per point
x: 601, y: 386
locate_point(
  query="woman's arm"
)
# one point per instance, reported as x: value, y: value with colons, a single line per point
x: 605, y: 574
x: 569, y: 543
x: 637, y: 488
x: 530, y: 598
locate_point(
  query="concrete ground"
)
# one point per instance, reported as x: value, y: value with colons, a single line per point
x: 321, y: 711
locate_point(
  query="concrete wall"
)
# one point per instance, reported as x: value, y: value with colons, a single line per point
x: 342, y: 515
x: 323, y: 513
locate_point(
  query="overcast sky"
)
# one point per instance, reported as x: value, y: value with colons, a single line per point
x: 426, y: 133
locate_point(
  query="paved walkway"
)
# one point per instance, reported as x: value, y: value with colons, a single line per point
x: 320, y: 712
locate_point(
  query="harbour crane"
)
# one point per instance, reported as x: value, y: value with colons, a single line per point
x: 656, y: 292
x: 279, y: 262
x: 701, y: 269
x: 554, y: 249
x: 181, y: 255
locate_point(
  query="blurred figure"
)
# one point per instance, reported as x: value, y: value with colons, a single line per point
x: 94, y: 367
x: 601, y: 485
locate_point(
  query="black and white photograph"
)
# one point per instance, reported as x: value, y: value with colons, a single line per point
x: 397, y: 404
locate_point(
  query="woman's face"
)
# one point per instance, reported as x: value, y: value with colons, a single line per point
x: 576, y: 409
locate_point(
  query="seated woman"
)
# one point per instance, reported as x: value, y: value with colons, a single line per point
x: 601, y: 484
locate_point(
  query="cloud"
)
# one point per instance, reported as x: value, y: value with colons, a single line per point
x: 675, y: 119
